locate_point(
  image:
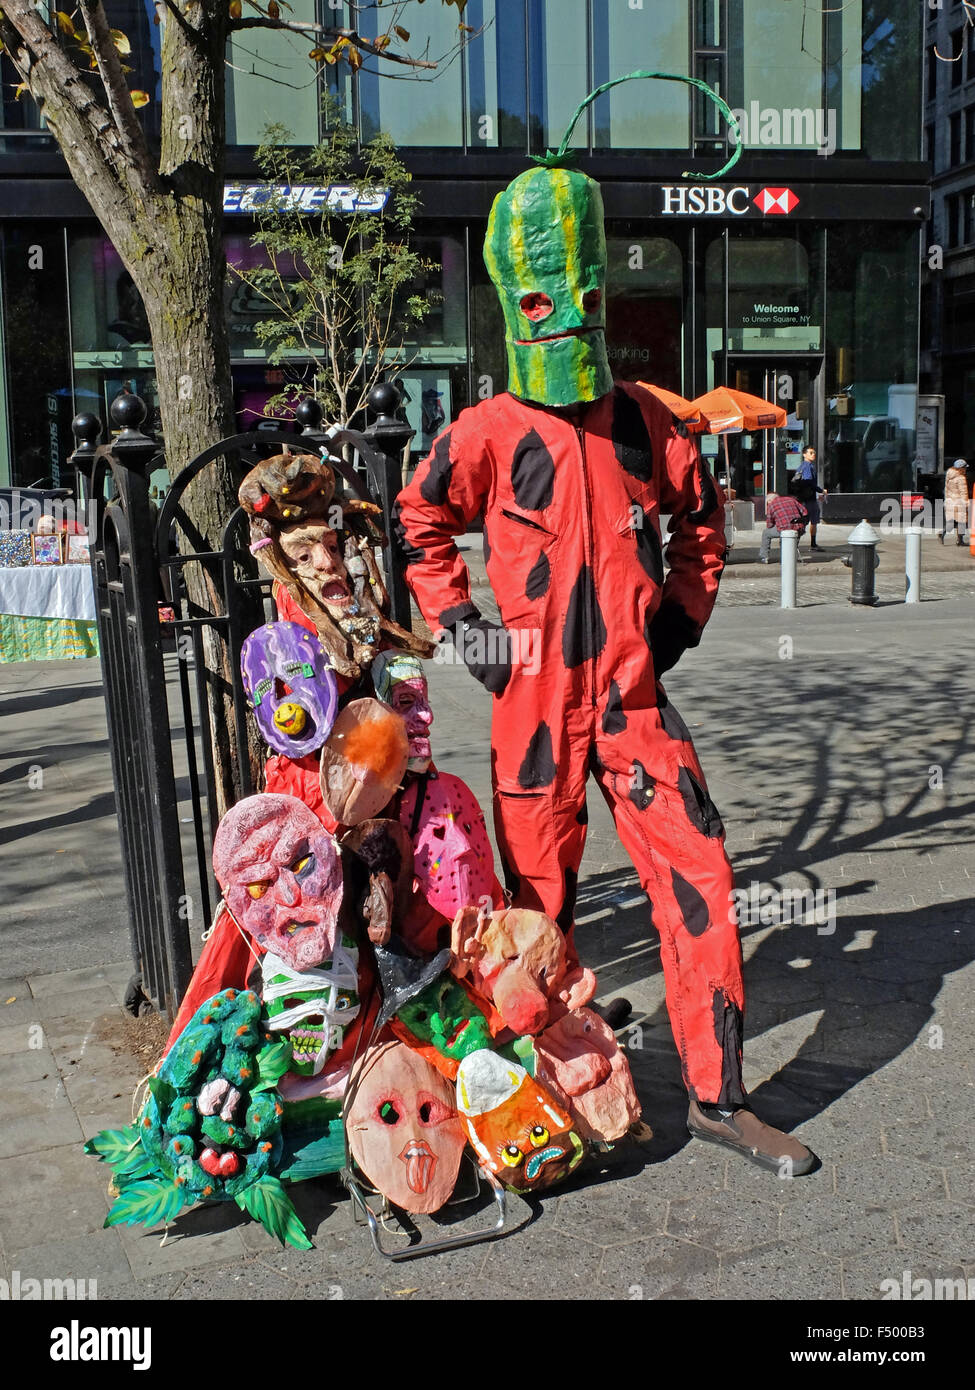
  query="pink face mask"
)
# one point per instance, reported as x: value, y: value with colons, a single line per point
x: 281, y: 877
x: 453, y: 861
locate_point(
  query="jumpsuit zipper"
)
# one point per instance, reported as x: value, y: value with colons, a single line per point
x: 591, y: 562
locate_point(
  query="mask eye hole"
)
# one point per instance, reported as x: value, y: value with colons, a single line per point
x: 511, y: 1155
x: 536, y: 306
x: 257, y: 890
x: 591, y: 300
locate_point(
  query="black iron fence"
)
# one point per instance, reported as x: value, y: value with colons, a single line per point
x: 183, y: 743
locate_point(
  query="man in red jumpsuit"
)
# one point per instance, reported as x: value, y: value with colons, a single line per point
x: 571, y: 474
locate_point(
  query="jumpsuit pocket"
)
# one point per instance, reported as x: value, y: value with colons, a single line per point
x: 523, y: 564
x: 701, y: 810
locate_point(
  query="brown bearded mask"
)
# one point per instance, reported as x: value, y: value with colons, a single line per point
x: 299, y: 491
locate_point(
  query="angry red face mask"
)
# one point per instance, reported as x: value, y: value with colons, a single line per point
x: 281, y: 877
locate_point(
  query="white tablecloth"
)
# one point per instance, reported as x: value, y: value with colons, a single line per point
x: 48, y: 591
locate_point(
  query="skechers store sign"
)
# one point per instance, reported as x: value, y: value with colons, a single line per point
x: 717, y: 200
x: 300, y: 197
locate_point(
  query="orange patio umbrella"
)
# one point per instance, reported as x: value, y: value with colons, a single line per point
x: 685, y: 410
x: 727, y: 411
x: 730, y: 411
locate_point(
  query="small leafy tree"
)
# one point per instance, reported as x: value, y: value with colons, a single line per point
x: 344, y: 284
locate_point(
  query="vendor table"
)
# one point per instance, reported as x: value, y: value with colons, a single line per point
x: 47, y: 613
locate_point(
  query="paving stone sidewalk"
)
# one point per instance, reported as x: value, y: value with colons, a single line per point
x: 839, y: 746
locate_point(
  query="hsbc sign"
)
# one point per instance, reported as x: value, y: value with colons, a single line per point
x: 715, y: 200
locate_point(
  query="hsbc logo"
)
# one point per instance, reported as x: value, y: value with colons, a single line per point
x: 775, y: 201
x: 712, y: 200
x: 707, y: 200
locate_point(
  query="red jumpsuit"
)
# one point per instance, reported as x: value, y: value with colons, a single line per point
x: 571, y: 507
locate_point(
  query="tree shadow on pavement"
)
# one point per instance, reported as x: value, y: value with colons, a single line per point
x: 851, y: 783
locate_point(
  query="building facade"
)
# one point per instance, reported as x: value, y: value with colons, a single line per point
x: 947, y: 363
x: 795, y: 278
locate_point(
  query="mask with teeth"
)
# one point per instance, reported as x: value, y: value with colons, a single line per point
x: 290, y: 686
x: 312, y: 1008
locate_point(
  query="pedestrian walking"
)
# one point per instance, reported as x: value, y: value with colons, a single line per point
x: 957, y: 501
x: 781, y: 514
x: 806, y: 489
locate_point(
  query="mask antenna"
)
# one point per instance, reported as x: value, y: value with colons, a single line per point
x: 558, y: 159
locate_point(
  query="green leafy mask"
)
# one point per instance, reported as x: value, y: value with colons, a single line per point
x: 545, y: 251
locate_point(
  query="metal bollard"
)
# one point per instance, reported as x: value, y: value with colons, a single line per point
x: 789, y: 541
x: 912, y: 563
x: 863, y: 562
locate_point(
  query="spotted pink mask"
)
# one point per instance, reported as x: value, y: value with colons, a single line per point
x: 453, y: 861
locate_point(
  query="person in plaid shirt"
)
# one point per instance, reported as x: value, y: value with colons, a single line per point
x: 781, y: 514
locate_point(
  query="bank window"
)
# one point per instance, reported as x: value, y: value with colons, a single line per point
x: 954, y: 140
x: 645, y: 309
x: 257, y: 96
x: 497, y: 76
x: 844, y: 73
x: 968, y: 206
x: 774, y: 302
x: 775, y: 73
x: 426, y: 109
x: 891, y: 97
x: 559, y: 75
x: 641, y: 114
x: 969, y: 134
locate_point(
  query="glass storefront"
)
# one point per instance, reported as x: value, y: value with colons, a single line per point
x: 820, y: 308
x: 37, y: 364
x: 821, y: 319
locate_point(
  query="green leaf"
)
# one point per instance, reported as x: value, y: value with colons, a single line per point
x: 137, y: 1164
x: 163, y: 1093
x: 270, y: 1064
x: 139, y: 99
x: 267, y: 1202
x: 120, y: 41
x: 146, y: 1203
x: 114, y: 1145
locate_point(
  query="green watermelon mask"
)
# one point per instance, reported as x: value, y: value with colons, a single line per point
x: 545, y: 252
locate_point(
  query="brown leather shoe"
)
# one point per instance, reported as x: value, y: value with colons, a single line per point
x: 744, y: 1132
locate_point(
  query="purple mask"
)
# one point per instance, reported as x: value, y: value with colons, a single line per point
x: 290, y: 686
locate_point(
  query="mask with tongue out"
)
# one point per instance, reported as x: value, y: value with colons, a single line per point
x: 290, y: 686
x: 403, y: 1127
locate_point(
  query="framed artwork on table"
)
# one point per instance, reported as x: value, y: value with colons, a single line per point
x: 47, y: 550
x: 78, y: 551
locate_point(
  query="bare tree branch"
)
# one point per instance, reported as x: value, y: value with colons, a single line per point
x: 329, y: 31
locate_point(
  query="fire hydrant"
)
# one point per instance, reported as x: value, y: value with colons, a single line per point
x: 863, y: 562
